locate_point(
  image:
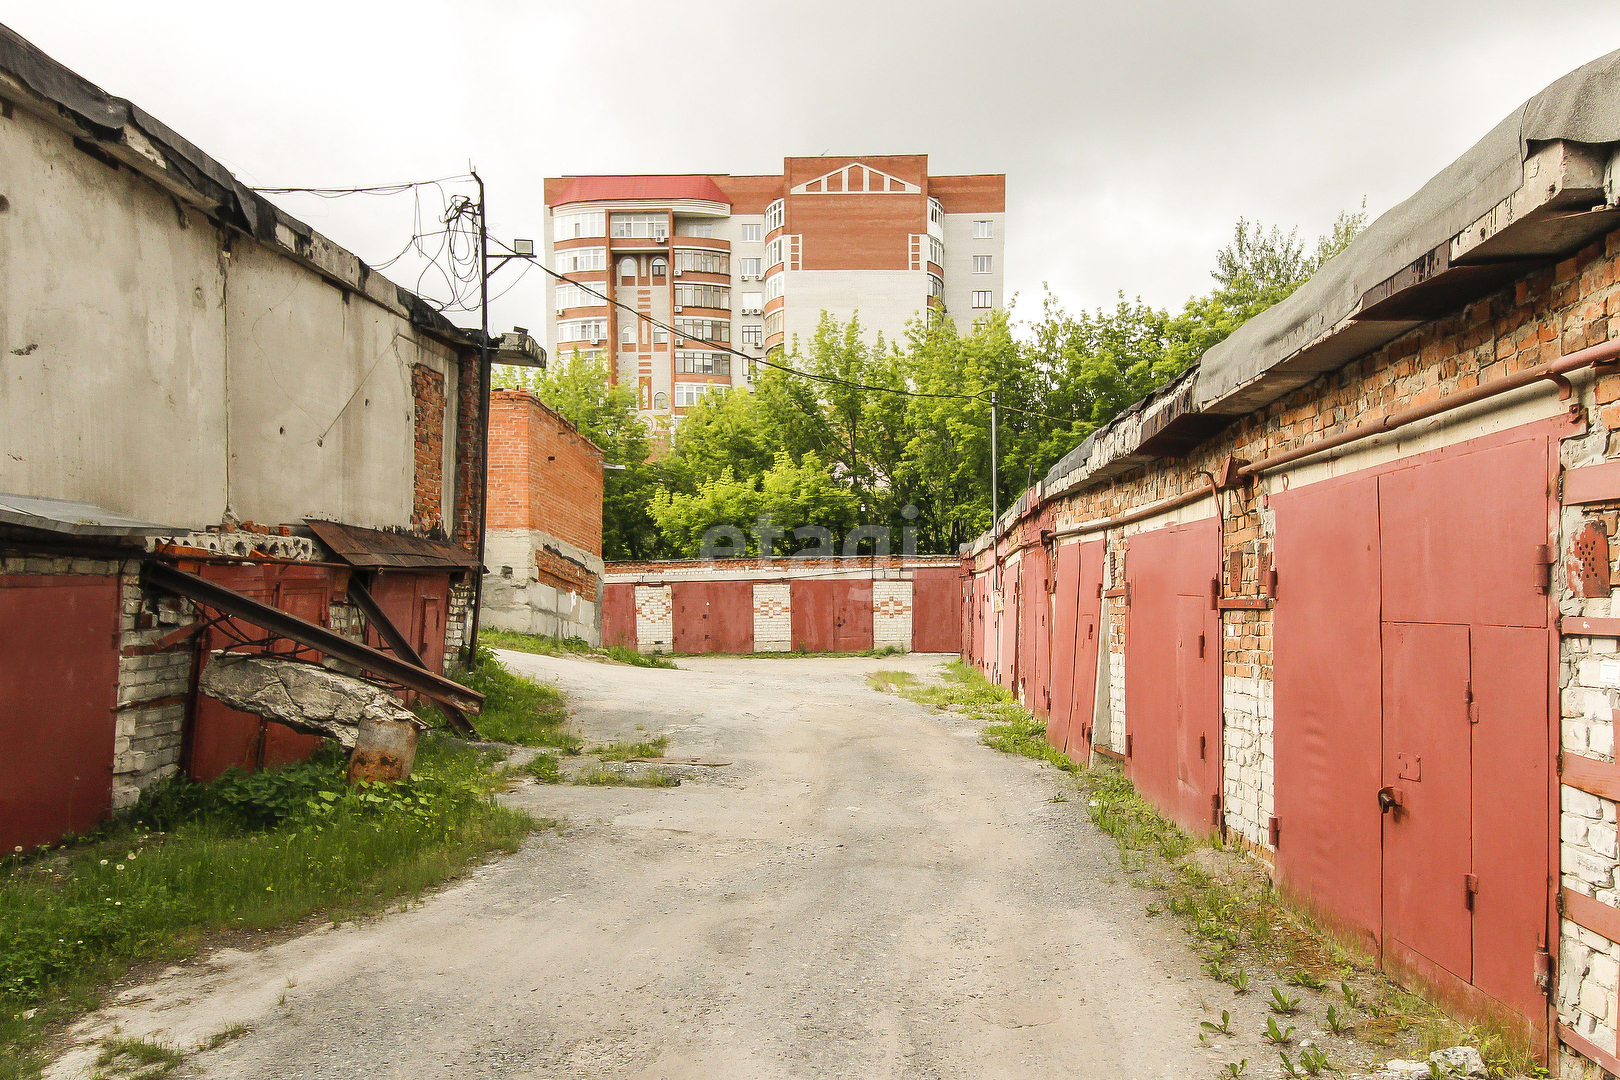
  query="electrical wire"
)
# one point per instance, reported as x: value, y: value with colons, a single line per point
x: 832, y: 379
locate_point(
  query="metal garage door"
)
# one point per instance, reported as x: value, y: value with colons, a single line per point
x: 936, y: 610
x: 1173, y: 671
x: 619, y: 615
x: 58, y: 687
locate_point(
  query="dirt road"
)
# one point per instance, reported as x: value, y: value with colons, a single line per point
x: 866, y: 892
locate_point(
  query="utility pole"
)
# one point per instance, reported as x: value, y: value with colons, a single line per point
x: 483, y: 417
x: 995, y: 495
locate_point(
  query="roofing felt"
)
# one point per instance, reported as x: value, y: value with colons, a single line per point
x: 1583, y: 107
x: 75, y: 518
x: 375, y: 549
x: 653, y: 188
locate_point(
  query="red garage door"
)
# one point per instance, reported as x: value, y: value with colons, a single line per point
x: 58, y: 687
x: 1173, y: 671
x: 1413, y: 719
x: 619, y: 615
x: 222, y: 737
x: 832, y: 615
x: 416, y: 604
x: 713, y: 616
x: 1076, y: 607
x: 936, y: 610
x: 1036, y: 637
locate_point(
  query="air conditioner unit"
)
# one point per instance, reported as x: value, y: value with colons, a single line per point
x: 677, y: 272
x: 677, y: 307
x: 680, y: 341
x: 660, y: 239
x: 596, y: 341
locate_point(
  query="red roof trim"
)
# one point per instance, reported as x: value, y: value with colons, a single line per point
x: 661, y: 188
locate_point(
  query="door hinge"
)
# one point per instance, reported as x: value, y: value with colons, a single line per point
x: 1471, y: 889
x: 1214, y: 594
x: 1202, y: 743
x: 1099, y: 590
x: 1544, y: 972
x: 1473, y: 706
x: 1201, y: 640
x: 1127, y: 745
x: 1541, y: 568
x: 1271, y: 582
x: 1273, y: 832
x: 1215, y: 809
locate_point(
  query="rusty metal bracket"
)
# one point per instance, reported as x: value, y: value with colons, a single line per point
x: 1249, y: 603
x: 281, y: 625
x: 1541, y: 562
x: 376, y: 617
x: 1563, y: 384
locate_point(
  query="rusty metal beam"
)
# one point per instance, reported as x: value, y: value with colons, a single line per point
x: 402, y: 647
x: 1592, y: 483
x: 1138, y: 515
x: 310, y: 635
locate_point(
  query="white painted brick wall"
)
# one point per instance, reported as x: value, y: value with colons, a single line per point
x: 1116, y: 702
x: 655, y: 627
x: 1247, y: 767
x: 1587, y: 976
x: 773, y: 616
x: 891, y: 614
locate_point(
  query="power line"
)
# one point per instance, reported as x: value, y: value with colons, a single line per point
x: 375, y: 189
x: 832, y: 379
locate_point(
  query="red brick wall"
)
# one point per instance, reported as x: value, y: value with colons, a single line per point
x: 469, y: 454
x: 559, y: 571
x: 427, y: 389
x: 544, y: 475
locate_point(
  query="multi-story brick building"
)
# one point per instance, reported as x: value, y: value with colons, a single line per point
x: 751, y: 262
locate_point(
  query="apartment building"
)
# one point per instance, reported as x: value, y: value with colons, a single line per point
x: 751, y: 262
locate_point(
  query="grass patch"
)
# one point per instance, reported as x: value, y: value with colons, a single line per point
x: 220, y: 1038
x: 244, y: 852
x: 136, y: 1059
x: 541, y: 645
x: 890, y: 680
x: 545, y: 768
x: 517, y: 710
x: 624, y: 751
x: 869, y: 654
x: 596, y: 776
x: 1007, y: 726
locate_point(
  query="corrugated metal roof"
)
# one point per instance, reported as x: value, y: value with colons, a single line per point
x: 661, y: 188
x: 75, y: 518
x: 375, y: 549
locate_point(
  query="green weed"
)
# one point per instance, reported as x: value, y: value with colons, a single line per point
x: 545, y: 768
x: 1283, y: 1004
x: 1337, y: 1022
x: 136, y: 1059
x: 1235, y: 1068
x: 1222, y: 1028
x: 624, y: 751
x: 550, y: 646
x: 517, y: 710
x: 1275, y: 1035
x: 643, y: 778
x: 245, y: 852
x: 890, y: 680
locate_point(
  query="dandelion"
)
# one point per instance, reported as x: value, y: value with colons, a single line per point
x: 18, y: 848
x: 103, y: 862
x: 132, y: 855
x: 120, y: 866
x: 118, y: 903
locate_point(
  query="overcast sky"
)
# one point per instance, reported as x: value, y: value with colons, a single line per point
x: 1133, y: 135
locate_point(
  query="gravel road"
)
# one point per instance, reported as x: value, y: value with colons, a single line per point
x: 865, y: 892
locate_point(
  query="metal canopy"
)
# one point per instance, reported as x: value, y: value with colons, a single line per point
x: 75, y: 518
x: 234, y: 604
x: 375, y: 549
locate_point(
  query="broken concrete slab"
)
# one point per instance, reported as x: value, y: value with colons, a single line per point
x: 305, y: 697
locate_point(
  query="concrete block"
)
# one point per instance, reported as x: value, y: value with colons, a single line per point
x: 1600, y: 739
x: 1603, y: 970
x: 1601, y: 839
x: 1594, y: 1001
x: 1572, y: 829
x: 1576, y: 801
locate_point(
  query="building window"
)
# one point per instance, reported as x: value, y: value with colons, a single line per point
x: 661, y: 401
x: 774, y: 286
x: 659, y: 266
x: 981, y: 264
x: 748, y: 268
x: 751, y: 234
x: 579, y: 223
x: 627, y: 271
x: 632, y: 225
x: 981, y: 298
x: 702, y: 262
x: 702, y: 363
x: 773, y: 323
x: 981, y: 230
x: 701, y: 330
x: 574, y: 260
x: 753, y: 302
x: 690, y: 393
x: 660, y: 336
x: 593, y: 330
x: 709, y: 296
x: 754, y: 335
x: 697, y: 228
x: 773, y: 216
x: 936, y: 213
x: 569, y: 296
x: 936, y: 285
x: 627, y: 334
x: 936, y: 251
x: 774, y: 251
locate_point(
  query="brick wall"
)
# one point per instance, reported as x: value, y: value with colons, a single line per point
x: 773, y: 616
x: 891, y: 614
x: 556, y: 569
x: 544, y: 475
x: 427, y: 507
x: 654, y: 618
x: 469, y: 453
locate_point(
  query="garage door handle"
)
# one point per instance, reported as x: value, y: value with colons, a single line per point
x: 1389, y: 798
